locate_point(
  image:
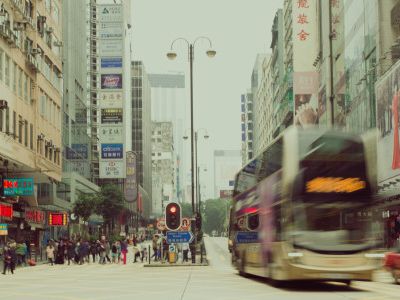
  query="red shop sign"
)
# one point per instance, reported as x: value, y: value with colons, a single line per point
x: 35, y: 216
x: 6, y: 211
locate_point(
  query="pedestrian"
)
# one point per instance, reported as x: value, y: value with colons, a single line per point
x: 20, y: 251
x: 7, y: 260
x: 136, y: 253
x: 124, y: 251
x: 102, y: 252
x: 185, y: 251
x: 70, y: 252
x: 154, y: 246
x: 143, y: 252
x: 107, y: 247
x: 50, y: 253
x: 118, y: 245
x: 93, y: 250
x: 114, y: 252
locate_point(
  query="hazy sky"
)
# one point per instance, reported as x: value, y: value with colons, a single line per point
x: 239, y: 29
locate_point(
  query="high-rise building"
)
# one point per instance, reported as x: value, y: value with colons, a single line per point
x: 76, y: 143
x: 163, y: 172
x: 226, y: 164
x: 30, y: 112
x: 247, y: 126
x: 141, y: 132
x: 169, y: 104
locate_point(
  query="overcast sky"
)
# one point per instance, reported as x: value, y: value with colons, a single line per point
x: 239, y: 29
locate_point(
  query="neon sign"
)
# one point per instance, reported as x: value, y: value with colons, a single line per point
x: 335, y: 185
x: 6, y: 211
x: 18, y: 186
x: 58, y: 219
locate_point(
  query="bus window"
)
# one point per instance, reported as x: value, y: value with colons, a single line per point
x: 253, y: 222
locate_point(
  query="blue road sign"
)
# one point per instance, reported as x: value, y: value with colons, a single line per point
x: 245, y: 237
x: 179, y: 237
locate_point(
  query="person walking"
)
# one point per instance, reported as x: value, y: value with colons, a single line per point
x: 93, y: 250
x: 70, y: 252
x: 154, y: 246
x: 20, y: 250
x: 118, y: 244
x: 107, y: 247
x: 50, y: 253
x: 102, y: 252
x: 7, y: 260
x: 114, y: 253
x: 124, y: 251
x: 185, y: 251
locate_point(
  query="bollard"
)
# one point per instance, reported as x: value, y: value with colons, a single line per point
x: 149, y: 255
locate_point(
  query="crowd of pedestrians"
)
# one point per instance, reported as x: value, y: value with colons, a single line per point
x: 82, y: 251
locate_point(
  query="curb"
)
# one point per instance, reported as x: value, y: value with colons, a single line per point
x: 166, y: 265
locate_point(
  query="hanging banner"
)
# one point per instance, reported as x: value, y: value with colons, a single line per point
x: 109, y: 13
x: 111, y: 115
x: 111, y: 151
x: 110, y: 99
x: 111, y: 133
x: 305, y: 50
x: 112, y: 169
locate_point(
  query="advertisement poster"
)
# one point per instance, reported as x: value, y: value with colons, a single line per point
x: 388, y: 108
x: 109, y: 13
x: 111, y: 62
x: 112, y: 151
x: 111, y: 133
x: 111, y: 48
x: 111, y: 81
x: 111, y: 115
x: 305, y: 49
x: 112, y: 169
x: 130, y: 181
x: 77, y: 151
x: 110, y: 99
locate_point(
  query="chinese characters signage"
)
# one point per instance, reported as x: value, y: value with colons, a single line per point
x: 112, y: 169
x: 6, y: 211
x: 58, y: 219
x: 110, y: 99
x: 111, y: 115
x: 34, y: 216
x: 111, y: 151
x: 18, y: 186
x: 130, y: 181
x: 305, y: 51
x: 3, y: 229
x: 111, y: 133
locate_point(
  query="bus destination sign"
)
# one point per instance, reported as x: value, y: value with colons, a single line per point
x: 335, y: 185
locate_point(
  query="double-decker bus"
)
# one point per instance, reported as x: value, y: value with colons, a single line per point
x: 302, y: 209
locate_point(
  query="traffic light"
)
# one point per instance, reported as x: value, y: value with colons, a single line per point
x: 173, y: 216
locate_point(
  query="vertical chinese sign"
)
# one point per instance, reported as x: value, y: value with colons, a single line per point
x: 112, y: 84
x: 131, y: 190
x: 305, y: 51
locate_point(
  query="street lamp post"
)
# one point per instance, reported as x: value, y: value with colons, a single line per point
x: 172, y: 55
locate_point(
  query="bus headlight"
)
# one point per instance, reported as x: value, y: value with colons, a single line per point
x: 295, y: 254
x: 375, y: 255
x: 295, y: 257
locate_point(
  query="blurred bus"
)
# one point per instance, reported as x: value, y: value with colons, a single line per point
x: 302, y: 209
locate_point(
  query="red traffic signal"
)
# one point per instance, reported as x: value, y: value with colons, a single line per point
x: 173, y: 216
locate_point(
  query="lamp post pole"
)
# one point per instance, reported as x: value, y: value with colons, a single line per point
x: 191, y: 126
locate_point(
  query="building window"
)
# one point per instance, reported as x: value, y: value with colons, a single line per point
x: 7, y: 120
x: 15, y: 124
x: 20, y: 75
x: 26, y: 79
x: 26, y: 133
x: 1, y: 64
x: 20, y: 124
x: 31, y: 136
x: 14, y: 84
x: 7, y: 71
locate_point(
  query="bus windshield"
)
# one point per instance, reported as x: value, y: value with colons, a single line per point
x: 331, y: 227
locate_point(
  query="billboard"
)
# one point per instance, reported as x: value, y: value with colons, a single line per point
x: 111, y: 62
x: 111, y: 81
x: 111, y: 133
x: 77, y: 151
x: 109, y: 13
x: 112, y: 169
x: 111, y: 115
x: 131, y: 190
x: 305, y: 49
x: 387, y: 91
x: 111, y: 48
x: 112, y: 151
x: 110, y: 99
x: 18, y: 186
x: 110, y: 32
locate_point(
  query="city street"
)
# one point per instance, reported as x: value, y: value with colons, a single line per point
x: 218, y: 281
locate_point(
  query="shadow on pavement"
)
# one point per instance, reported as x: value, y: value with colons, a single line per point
x: 305, y: 286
